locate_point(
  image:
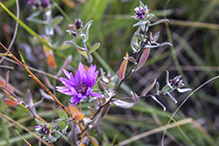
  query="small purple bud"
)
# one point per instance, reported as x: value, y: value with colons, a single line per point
x: 78, y: 24
x: 176, y: 82
x: 45, y: 3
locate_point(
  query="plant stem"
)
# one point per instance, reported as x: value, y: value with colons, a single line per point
x: 48, y: 91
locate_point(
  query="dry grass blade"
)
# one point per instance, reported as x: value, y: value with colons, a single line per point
x: 168, y: 124
x: 23, y: 138
x: 24, y: 128
x: 156, y: 130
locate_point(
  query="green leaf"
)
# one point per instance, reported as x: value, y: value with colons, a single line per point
x: 56, y: 21
x: 39, y: 122
x: 84, y: 53
x: 62, y: 114
x: 51, y: 139
x: 94, y: 47
x: 62, y: 123
x: 57, y: 134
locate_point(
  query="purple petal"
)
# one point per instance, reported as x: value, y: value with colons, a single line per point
x: 75, y: 100
x: 94, y: 94
x: 65, y: 90
x: 66, y: 82
x: 80, y: 73
x: 67, y: 74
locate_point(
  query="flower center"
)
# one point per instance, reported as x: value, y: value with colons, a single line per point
x: 81, y: 88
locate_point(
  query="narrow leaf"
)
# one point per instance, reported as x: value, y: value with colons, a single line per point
x: 29, y: 98
x: 102, y: 113
x: 6, y: 78
x: 38, y: 103
x: 94, y: 47
x: 72, y: 136
x: 72, y: 43
x: 62, y: 114
x: 184, y: 90
x: 159, y: 45
x: 45, y: 95
x: 140, y: 23
x: 46, y: 49
x: 51, y: 61
x: 87, y: 32
x: 171, y: 97
x: 135, y: 97
x: 159, y: 21
x: 46, y: 81
x: 122, y: 68
x: 88, y: 23
x: 158, y: 88
x: 10, y: 102
x: 155, y: 99
x: 131, y: 59
x: 147, y: 89
x: 104, y: 86
x: 84, y: 53
x: 39, y: 122
x: 8, y: 87
x: 65, y: 65
x: 56, y: 21
x: 134, y: 44
x: 143, y: 58
x: 123, y: 104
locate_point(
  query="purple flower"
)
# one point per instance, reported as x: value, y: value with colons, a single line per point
x: 42, y: 129
x: 81, y: 85
x: 141, y: 12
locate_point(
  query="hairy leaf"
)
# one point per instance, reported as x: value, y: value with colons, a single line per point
x: 62, y: 114
x: 124, y: 104
x: 159, y: 21
x: 143, y: 58
x: 147, y: 89
x: 72, y: 43
x: 104, y: 86
x: 87, y: 32
x: 122, y: 68
x: 45, y: 95
x: 102, y: 113
x: 65, y: 65
x: 94, y: 47
x: 6, y: 86
x: 159, y: 45
x: 63, y: 124
x: 77, y: 114
x: 56, y: 21
x: 51, y: 61
x: 155, y: 99
x: 10, y: 102
x: 72, y: 136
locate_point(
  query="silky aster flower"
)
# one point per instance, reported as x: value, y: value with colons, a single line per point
x: 141, y: 12
x: 81, y: 85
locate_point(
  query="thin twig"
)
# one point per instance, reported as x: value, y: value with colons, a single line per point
x: 25, y: 128
x: 48, y: 91
x: 15, y: 30
x: 164, y: 133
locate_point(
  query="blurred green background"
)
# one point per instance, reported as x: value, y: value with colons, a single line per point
x: 194, y: 32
